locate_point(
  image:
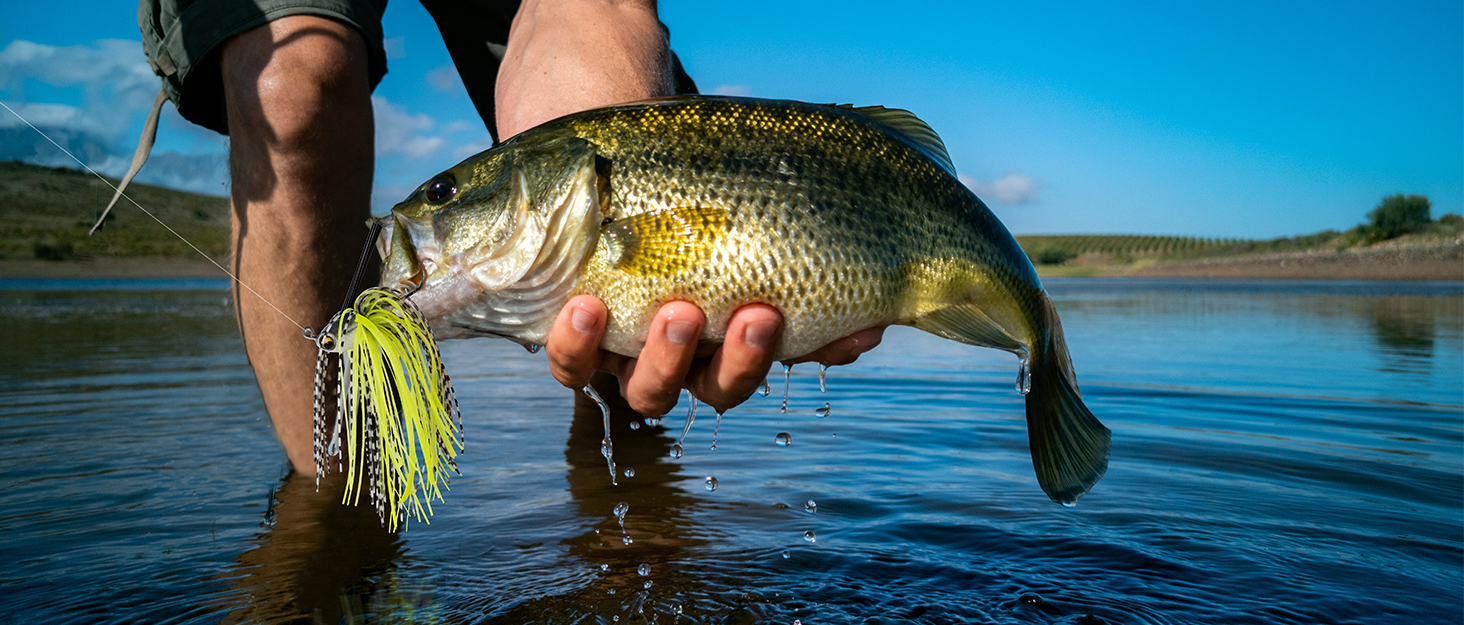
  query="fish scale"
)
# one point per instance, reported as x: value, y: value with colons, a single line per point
x: 842, y: 218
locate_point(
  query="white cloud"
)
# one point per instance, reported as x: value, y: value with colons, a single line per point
x: 395, y: 47
x: 402, y: 134
x: 446, y: 80
x: 1012, y: 188
x: 735, y: 90
x: 113, y: 73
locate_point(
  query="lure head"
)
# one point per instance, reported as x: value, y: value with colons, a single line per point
x: 496, y: 221
x: 337, y: 333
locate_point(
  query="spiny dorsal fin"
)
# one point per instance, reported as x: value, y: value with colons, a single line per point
x: 906, y: 122
x: 665, y: 241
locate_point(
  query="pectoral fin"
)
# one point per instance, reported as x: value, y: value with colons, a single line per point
x: 664, y: 242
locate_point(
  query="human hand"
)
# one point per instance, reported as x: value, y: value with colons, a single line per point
x: 652, y: 382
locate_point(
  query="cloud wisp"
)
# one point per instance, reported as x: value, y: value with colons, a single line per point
x: 1012, y: 188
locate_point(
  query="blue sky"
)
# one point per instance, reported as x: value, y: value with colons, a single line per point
x: 1241, y: 119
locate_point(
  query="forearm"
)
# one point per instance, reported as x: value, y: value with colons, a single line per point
x: 566, y: 56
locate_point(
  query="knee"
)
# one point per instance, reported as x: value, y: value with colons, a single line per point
x: 287, y: 84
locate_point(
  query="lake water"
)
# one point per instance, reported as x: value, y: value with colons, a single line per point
x: 1284, y: 452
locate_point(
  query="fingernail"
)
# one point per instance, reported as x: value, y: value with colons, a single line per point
x: 680, y: 332
x: 759, y: 334
x: 582, y: 321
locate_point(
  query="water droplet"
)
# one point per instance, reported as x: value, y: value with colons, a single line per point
x: 627, y: 540
x: 676, y: 609
x: 716, y: 431
x: 647, y: 585
x: 1030, y: 598
x: 532, y: 347
x: 690, y: 419
x: 617, y: 619
x: 643, y: 570
x: 787, y: 555
x: 604, y: 567
x: 629, y: 472
x: 1024, y: 378
x: 711, y: 483
x: 822, y: 412
x: 823, y: 371
x: 607, y: 448
x: 810, y: 506
x: 783, y: 438
x: 787, y: 373
x: 810, y: 536
x: 766, y: 388
x: 612, y: 591
x: 653, y: 421
x: 676, y: 451
x: 635, y: 425
x: 797, y: 622
x: 780, y: 506
x: 620, y: 509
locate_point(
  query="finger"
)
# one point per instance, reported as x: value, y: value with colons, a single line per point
x: 843, y: 351
x: 574, y: 341
x: 740, y: 365
x: 656, y: 376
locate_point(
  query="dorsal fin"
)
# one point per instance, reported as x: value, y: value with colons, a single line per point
x: 906, y: 122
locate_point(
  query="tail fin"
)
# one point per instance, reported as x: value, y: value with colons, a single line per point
x: 1069, y: 446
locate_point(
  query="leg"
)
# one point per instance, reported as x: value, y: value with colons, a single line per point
x: 300, y: 155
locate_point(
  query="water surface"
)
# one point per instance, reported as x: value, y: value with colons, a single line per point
x: 1283, y: 452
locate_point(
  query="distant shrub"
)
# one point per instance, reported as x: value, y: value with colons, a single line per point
x: 1053, y: 255
x: 58, y: 251
x: 1398, y: 215
x: 1451, y: 219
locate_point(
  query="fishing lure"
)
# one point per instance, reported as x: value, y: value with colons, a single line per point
x: 395, y: 407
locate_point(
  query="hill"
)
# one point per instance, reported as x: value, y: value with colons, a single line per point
x: 45, y: 213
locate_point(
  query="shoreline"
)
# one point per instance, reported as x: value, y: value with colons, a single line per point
x: 1429, y: 262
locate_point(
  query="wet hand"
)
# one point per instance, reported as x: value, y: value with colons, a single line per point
x: 652, y: 382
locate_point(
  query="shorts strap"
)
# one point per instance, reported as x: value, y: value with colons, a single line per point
x: 144, y: 148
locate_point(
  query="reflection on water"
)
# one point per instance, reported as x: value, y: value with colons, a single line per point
x: 1404, y: 329
x: 1284, y: 452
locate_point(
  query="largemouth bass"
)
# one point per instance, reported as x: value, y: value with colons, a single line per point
x: 842, y: 218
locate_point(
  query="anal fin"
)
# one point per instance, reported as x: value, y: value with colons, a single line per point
x: 966, y: 323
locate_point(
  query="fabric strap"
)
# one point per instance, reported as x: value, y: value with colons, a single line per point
x: 144, y: 148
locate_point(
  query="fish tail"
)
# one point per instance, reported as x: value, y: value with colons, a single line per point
x: 1069, y: 446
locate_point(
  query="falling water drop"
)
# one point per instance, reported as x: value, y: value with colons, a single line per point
x: 629, y: 472
x: 787, y: 555
x: 822, y: 412
x: 647, y: 585
x: 620, y: 510
x: 766, y: 388
x: 676, y: 451
x: 823, y: 371
x: 604, y: 567
x: 809, y: 536
x: 653, y: 421
x: 643, y: 569
x: 783, y: 439
x: 810, y: 506
x: 627, y: 539
x: 716, y: 431
x: 1024, y: 378
x: 635, y: 425
x: 532, y: 347
x: 787, y: 373
x: 711, y: 483
x: 690, y: 418
x: 607, y: 448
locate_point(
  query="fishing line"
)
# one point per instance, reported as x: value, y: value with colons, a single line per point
x: 155, y: 217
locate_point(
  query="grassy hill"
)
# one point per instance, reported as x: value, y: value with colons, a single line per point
x: 45, y: 213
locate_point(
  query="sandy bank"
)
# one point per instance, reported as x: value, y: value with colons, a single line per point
x: 143, y: 267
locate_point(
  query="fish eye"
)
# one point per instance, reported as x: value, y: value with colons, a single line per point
x: 441, y: 188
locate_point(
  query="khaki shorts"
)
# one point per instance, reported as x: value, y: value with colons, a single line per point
x: 183, y: 38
